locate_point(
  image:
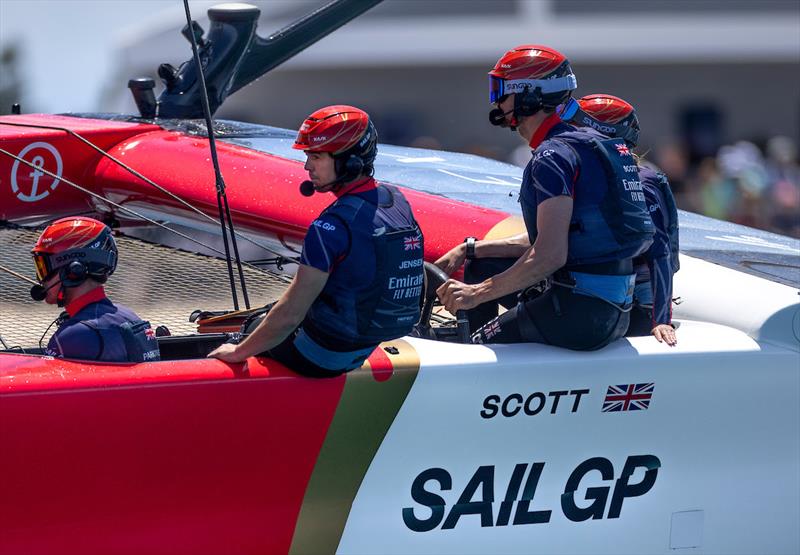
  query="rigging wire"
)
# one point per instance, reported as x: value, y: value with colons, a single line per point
x: 147, y: 180
x: 222, y: 198
x: 134, y: 213
x: 16, y: 275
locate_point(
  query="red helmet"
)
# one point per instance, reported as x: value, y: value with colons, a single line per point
x: 78, y: 247
x: 531, y: 66
x: 608, y: 114
x: 346, y: 133
x: 335, y: 129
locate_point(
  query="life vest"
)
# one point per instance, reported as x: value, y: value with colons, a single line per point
x: 131, y: 341
x: 116, y: 336
x: 607, y: 227
x: 670, y: 210
x: 659, y: 198
x: 345, y: 318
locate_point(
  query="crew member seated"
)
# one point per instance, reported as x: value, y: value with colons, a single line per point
x: 360, y: 276
x: 74, y: 257
x: 584, y: 213
x: 652, y: 296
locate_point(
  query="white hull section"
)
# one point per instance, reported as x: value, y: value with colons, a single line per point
x: 723, y: 424
x: 709, y: 464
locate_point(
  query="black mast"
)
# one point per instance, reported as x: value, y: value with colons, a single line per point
x: 232, y: 55
x: 222, y: 198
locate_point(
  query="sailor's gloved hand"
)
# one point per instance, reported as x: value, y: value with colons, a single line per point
x: 458, y: 296
x: 453, y: 260
x: 665, y: 333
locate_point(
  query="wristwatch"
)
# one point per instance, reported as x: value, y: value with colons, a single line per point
x: 470, y: 241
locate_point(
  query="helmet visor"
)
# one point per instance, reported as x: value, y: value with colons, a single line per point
x: 42, y: 264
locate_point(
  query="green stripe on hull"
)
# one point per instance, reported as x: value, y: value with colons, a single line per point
x: 366, y: 410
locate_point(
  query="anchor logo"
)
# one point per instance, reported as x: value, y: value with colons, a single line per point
x: 34, y: 177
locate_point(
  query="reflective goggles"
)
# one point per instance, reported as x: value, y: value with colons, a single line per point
x: 568, y: 110
x: 43, y: 268
x: 495, y: 89
x: 499, y: 88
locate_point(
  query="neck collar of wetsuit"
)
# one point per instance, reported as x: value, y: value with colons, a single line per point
x: 94, y: 296
x: 544, y: 128
x: 358, y: 186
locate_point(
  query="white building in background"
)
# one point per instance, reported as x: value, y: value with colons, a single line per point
x: 703, y: 71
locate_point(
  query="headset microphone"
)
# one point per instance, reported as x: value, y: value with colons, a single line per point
x: 38, y: 292
x: 307, y: 188
x: 498, y: 117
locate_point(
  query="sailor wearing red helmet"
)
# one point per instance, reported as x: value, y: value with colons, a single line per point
x: 652, y: 310
x: 74, y: 257
x: 361, y: 271
x: 584, y: 214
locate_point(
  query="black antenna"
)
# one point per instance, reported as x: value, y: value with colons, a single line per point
x: 222, y: 198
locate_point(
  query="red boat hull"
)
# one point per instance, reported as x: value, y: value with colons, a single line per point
x: 107, y: 468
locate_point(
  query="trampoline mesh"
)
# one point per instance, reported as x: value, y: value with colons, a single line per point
x: 161, y: 284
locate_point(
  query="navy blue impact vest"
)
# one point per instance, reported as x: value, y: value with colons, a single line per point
x: 655, y: 268
x: 661, y: 202
x: 105, y: 332
x: 344, y: 318
x: 670, y: 210
x: 611, y: 226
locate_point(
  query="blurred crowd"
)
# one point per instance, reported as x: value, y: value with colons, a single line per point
x: 757, y: 185
x: 748, y: 183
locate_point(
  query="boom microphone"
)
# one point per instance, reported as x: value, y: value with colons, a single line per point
x: 38, y: 292
x: 498, y: 117
x: 307, y: 188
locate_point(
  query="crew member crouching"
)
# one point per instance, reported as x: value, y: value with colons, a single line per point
x: 360, y: 276
x: 74, y: 257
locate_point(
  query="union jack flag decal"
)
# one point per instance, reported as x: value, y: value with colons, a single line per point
x: 628, y: 397
x: 623, y: 150
x: 492, y: 329
x: 412, y: 243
